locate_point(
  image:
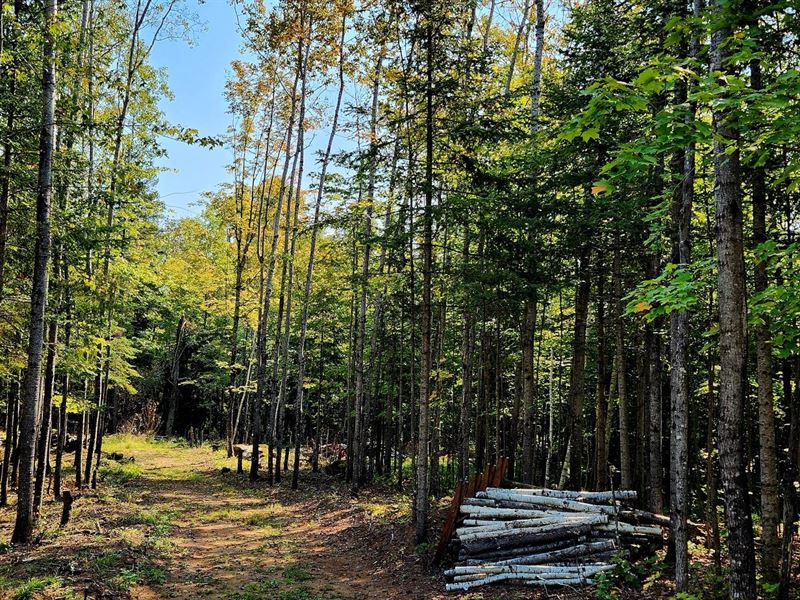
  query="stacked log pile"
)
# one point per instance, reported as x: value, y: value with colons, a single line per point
x: 548, y: 537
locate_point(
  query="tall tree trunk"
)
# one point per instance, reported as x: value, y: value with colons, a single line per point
x: 529, y: 324
x: 577, y: 383
x: 528, y: 389
x: 361, y: 379
x: 712, y: 522
x: 683, y: 165
x: 789, y: 478
x: 601, y: 407
x: 655, y: 480
x: 467, y: 352
x: 292, y: 223
x: 622, y: 392
x: 733, y: 333
x: 481, y: 432
x: 768, y: 469
x: 29, y: 417
x: 298, y: 405
x: 551, y: 421
x: 641, y: 470
x: 265, y: 310
x: 427, y: 250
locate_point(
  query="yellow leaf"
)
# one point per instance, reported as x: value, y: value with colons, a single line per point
x: 641, y: 307
x: 599, y: 189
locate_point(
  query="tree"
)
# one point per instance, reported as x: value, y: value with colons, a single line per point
x: 733, y: 330
x: 31, y: 410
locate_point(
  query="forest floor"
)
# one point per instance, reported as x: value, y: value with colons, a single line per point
x: 173, y: 525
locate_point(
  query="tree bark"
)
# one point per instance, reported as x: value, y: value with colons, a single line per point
x: 467, y: 352
x: 427, y: 249
x: 528, y: 388
x: 682, y: 201
x: 601, y: 407
x: 29, y: 416
x: 733, y: 333
x: 626, y: 479
x: 654, y: 423
x: 578, y: 372
x: 768, y: 468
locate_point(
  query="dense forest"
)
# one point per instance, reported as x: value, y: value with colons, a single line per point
x: 565, y: 234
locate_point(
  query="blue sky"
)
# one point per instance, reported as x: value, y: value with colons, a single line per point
x: 197, y: 77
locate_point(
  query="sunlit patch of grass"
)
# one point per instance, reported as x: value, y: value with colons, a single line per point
x: 151, y: 516
x: 108, y: 498
x: 131, y: 535
x: 128, y: 442
x: 229, y: 513
x: 385, y: 510
x: 160, y: 545
x: 120, y: 473
x: 180, y: 474
x: 375, y: 510
x: 29, y: 588
x: 33, y: 585
x: 221, y: 460
x: 269, y: 520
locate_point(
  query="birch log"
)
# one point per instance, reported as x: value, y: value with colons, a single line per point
x: 583, y: 496
x: 568, y: 518
x: 526, y: 578
x: 547, y: 501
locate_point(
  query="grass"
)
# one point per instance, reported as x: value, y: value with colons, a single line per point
x: 256, y: 590
x: 296, y: 574
x: 107, y: 561
x: 120, y: 473
x: 179, y: 474
x: 125, y: 443
x: 270, y: 588
x: 29, y: 588
x: 159, y: 521
x: 270, y: 520
x: 229, y: 513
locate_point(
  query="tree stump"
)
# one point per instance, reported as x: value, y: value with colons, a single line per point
x: 67, y: 499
